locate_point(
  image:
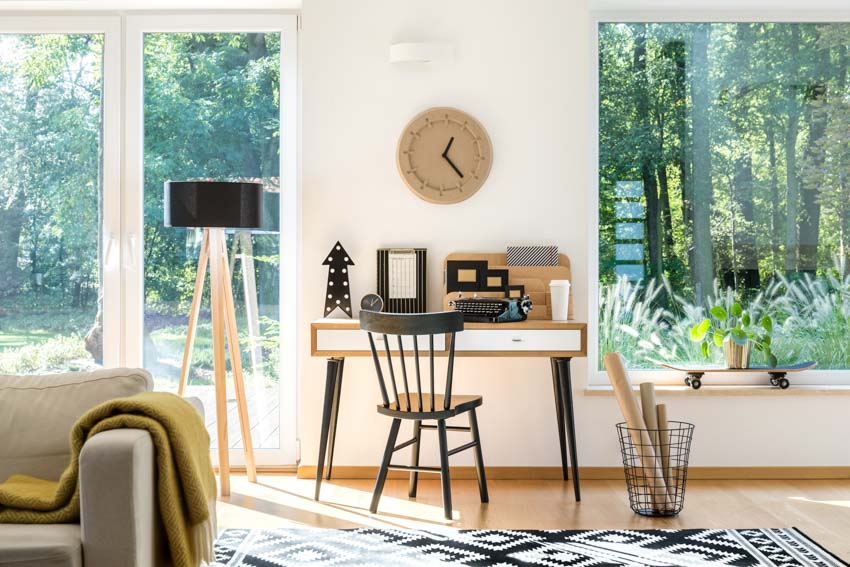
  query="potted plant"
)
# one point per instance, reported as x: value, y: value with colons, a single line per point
x: 736, y: 333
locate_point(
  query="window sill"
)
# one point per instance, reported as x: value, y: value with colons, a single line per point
x: 752, y: 390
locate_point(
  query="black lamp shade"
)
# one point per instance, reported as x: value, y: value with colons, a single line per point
x: 213, y: 204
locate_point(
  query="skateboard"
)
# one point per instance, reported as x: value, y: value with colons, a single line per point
x: 778, y: 374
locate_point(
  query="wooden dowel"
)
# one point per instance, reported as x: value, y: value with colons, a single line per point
x: 194, y: 312
x: 236, y: 365
x: 217, y: 302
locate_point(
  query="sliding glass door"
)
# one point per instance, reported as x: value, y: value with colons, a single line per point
x: 89, y: 274
x: 59, y: 293
x: 211, y: 97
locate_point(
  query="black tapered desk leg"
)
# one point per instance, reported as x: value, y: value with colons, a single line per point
x: 569, y: 415
x: 327, y: 408
x: 334, y: 416
x: 559, y: 412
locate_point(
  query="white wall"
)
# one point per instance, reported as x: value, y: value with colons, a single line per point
x: 522, y: 69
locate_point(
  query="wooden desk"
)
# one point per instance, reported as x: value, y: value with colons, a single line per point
x: 556, y: 340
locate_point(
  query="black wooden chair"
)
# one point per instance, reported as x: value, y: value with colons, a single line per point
x: 418, y: 405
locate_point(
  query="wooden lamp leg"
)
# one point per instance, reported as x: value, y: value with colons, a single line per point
x: 217, y: 253
x: 236, y: 365
x: 194, y: 311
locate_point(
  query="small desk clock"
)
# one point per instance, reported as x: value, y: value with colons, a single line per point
x: 372, y: 302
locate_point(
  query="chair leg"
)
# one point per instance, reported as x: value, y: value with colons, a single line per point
x: 382, y: 473
x: 479, y: 457
x: 444, y: 468
x: 414, y: 458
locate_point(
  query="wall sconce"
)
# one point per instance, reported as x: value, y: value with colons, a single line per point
x: 421, y: 53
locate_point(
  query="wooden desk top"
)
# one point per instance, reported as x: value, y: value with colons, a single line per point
x: 498, y: 350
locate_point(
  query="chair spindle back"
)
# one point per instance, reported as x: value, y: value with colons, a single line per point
x: 411, y: 325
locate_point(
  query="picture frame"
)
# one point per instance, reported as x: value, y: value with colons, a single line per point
x: 495, y: 280
x: 465, y: 275
x: 514, y: 291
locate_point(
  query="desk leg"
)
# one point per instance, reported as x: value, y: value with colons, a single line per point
x: 569, y: 417
x: 559, y: 412
x: 333, y: 373
x: 334, y: 416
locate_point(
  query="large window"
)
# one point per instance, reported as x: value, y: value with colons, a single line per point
x: 724, y: 177
x: 51, y: 187
x: 96, y: 114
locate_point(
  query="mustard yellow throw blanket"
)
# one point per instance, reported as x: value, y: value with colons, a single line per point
x: 185, y: 479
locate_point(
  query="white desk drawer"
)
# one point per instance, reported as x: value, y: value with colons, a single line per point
x: 357, y: 340
x: 519, y: 340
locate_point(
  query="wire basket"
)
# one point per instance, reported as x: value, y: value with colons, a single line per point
x: 656, y: 467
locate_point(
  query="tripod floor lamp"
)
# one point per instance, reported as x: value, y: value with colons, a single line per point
x: 215, y: 206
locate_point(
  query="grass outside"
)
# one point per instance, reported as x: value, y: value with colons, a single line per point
x: 38, y: 336
x: 46, y: 338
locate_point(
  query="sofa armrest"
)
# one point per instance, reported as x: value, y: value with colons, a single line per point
x: 118, y: 504
x: 196, y: 403
x: 119, y: 512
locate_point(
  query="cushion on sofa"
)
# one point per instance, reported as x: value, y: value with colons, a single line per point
x: 38, y: 412
x: 44, y: 545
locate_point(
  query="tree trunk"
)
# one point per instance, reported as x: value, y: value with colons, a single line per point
x: 647, y: 155
x: 810, y: 192
x: 702, y: 269
x: 12, y: 216
x: 666, y: 214
x: 775, y: 211
x: 746, y: 251
x: 792, y: 181
x: 678, y: 53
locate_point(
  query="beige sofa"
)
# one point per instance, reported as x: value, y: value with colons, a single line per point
x: 118, y: 516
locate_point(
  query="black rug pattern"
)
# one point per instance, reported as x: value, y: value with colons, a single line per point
x: 552, y: 548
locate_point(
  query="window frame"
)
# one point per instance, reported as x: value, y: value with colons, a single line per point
x: 596, y: 375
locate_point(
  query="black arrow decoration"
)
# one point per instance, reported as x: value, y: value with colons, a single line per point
x: 338, y: 293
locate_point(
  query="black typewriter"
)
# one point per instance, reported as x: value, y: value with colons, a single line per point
x: 492, y: 309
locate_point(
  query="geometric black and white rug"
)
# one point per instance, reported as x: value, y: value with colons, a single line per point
x: 551, y: 548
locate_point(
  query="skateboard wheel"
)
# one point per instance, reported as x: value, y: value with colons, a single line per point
x: 696, y: 383
x: 784, y: 383
x: 774, y: 382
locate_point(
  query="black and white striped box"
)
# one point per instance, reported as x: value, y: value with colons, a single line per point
x: 532, y: 255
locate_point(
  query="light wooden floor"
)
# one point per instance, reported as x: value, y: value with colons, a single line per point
x: 820, y: 508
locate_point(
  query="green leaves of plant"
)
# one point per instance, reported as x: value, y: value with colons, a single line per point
x: 719, y: 335
x: 739, y: 336
x: 699, y: 330
x: 719, y: 313
x: 736, y: 324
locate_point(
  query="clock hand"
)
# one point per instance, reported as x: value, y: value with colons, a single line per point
x: 453, y: 166
x: 448, y: 147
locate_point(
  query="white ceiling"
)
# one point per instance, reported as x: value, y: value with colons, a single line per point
x: 65, y: 5
x: 718, y: 5
x: 593, y: 5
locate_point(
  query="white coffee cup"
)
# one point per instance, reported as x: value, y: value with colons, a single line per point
x: 559, y: 291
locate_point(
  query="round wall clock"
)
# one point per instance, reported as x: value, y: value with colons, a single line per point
x: 444, y: 155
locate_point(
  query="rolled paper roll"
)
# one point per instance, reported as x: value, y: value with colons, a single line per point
x: 664, y: 443
x: 652, y: 473
x: 650, y: 416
